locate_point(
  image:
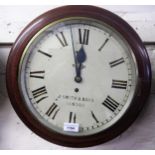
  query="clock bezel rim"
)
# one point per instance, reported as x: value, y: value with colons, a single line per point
x: 56, y: 14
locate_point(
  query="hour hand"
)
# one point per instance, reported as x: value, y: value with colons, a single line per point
x: 80, y: 57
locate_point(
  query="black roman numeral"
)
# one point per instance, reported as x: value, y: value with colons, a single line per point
x: 110, y: 103
x: 94, y: 117
x: 84, y: 36
x: 53, y: 110
x: 62, y: 39
x: 105, y: 42
x: 46, y: 54
x: 40, y: 94
x: 116, y: 62
x: 72, y: 117
x: 37, y: 74
x: 119, y: 84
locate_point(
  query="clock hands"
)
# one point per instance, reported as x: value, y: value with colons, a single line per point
x: 74, y: 53
x: 79, y: 58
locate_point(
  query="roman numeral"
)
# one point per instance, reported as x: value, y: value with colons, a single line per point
x: 94, y: 117
x: 37, y: 74
x: 53, y: 110
x: 46, y: 54
x: 84, y: 37
x: 119, y: 84
x: 72, y: 117
x: 110, y: 103
x: 40, y: 94
x: 105, y: 42
x: 62, y: 39
x: 116, y: 62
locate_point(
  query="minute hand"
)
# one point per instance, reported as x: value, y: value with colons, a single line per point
x: 74, y: 53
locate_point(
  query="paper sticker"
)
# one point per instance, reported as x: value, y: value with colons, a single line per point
x: 71, y: 127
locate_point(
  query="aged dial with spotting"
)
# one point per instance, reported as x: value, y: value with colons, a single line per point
x: 65, y: 78
x: 83, y: 75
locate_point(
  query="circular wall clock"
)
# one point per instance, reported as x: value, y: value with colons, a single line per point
x: 78, y: 76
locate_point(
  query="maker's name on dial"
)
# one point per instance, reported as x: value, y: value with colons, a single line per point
x: 74, y: 98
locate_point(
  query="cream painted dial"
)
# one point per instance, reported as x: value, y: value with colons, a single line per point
x: 78, y: 71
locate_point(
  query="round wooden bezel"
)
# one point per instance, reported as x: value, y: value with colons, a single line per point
x: 140, y: 53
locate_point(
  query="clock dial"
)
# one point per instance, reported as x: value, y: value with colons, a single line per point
x: 80, y: 75
x: 65, y: 78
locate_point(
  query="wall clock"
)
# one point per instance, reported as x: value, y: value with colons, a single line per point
x: 78, y: 76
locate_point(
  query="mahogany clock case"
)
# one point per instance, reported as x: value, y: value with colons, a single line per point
x: 140, y: 53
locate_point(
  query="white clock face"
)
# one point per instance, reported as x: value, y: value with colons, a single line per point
x: 80, y: 73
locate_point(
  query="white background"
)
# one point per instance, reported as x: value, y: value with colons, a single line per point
x: 15, y: 135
